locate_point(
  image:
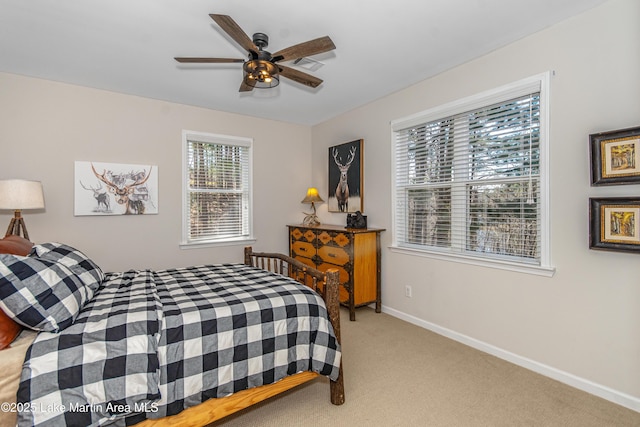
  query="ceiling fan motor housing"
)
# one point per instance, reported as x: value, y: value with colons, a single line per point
x: 261, y: 40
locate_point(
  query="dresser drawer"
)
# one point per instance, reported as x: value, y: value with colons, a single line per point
x: 344, y: 274
x: 344, y: 278
x: 333, y: 255
x: 303, y: 249
x: 298, y: 275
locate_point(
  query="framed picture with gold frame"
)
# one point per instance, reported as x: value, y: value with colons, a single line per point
x: 615, y: 157
x: 614, y: 224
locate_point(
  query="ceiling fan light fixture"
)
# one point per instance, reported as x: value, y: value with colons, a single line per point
x: 261, y: 74
x: 260, y: 69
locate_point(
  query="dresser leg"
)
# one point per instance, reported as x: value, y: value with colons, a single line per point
x: 378, y: 275
x: 352, y: 309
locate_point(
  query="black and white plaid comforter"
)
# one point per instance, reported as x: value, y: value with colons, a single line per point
x: 152, y: 343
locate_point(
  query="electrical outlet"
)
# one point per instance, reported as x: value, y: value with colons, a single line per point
x: 408, y: 292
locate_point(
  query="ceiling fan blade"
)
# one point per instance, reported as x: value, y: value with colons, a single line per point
x: 244, y: 87
x: 207, y: 60
x: 312, y: 47
x: 299, y: 76
x: 235, y: 32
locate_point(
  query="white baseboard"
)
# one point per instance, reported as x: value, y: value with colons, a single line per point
x: 599, y: 390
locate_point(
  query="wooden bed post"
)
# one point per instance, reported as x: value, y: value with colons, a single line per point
x: 332, y: 290
x: 248, y: 250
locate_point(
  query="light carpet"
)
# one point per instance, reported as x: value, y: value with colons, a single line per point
x: 398, y: 374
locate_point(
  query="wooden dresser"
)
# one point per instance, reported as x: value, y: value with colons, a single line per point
x: 354, y: 252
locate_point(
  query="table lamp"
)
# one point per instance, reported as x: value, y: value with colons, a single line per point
x: 17, y: 195
x: 311, y: 219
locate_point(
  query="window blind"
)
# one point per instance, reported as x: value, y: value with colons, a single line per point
x: 469, y: 182
x: 218, y: 189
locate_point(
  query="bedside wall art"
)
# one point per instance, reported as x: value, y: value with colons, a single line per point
x: 614, y: 224
x: 346, y: 187
x: 615, y: 157
x: 115, y: 189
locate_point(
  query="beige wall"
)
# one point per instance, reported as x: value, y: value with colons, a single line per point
x: 46, y: 126
x: 581, y: 326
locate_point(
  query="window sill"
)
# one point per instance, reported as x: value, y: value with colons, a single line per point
x: 538, y: 270
x: 216, y: 243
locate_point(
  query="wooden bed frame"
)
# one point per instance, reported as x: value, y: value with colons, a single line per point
x: 327, y: 284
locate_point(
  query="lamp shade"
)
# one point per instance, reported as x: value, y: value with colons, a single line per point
x: 312, y: 196
x: 18, y: 194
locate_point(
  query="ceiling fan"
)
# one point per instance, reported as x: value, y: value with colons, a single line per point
x: 262, y: 69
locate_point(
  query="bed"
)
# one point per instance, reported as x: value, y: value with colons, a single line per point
x: 183, y: 346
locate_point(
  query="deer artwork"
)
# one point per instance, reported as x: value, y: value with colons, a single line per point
x: 342, y: 190
x: 124, y: 193
x: 101, y: 197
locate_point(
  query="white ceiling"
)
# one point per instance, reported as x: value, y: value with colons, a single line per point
x: 128, y: 46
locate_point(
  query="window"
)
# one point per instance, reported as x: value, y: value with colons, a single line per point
x: 470, y: 179
x: 217, y: 188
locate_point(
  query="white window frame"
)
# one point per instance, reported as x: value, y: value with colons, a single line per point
x: 541, y: 83
x: 187, y: 242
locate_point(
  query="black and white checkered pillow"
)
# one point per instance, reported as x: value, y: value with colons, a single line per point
x: 88, y: 271
x: 47, y: 293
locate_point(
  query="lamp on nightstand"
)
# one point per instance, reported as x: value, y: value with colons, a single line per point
x: 312, y: 197
x: 16, y: 195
